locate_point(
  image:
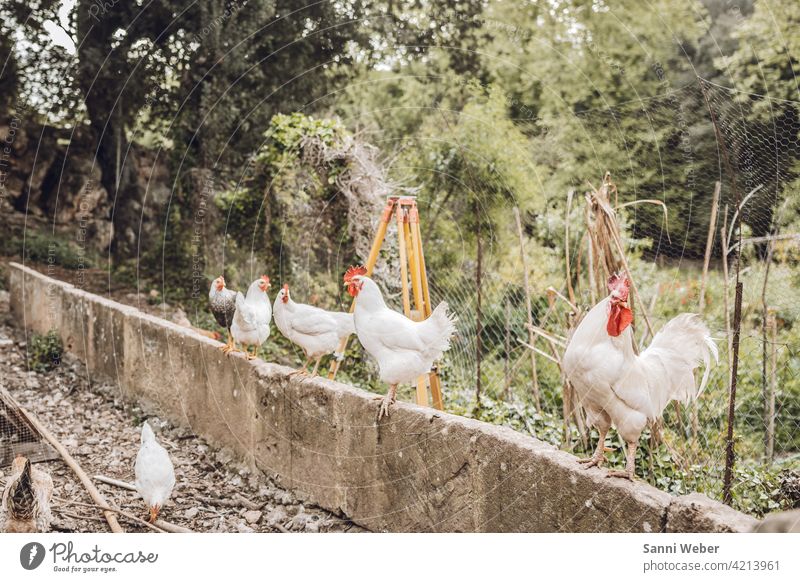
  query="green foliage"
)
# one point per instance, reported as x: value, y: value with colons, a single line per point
x: 45, y: 351
x: 47, y: 249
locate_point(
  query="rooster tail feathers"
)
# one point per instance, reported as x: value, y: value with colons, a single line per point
x: 710, y: 350
x: 681, y: 346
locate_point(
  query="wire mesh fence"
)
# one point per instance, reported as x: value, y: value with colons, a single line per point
x: 739, y: 165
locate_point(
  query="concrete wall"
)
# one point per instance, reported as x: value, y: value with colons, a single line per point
x: 419, y: 470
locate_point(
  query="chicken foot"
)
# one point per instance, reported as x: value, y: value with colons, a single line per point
x: 630, y: 464
x: 250, y: 356
x: 153, y: 513
x: 302, y: 371
x: 387, y: 401
x: 599, y: 456
x: 230, y: 345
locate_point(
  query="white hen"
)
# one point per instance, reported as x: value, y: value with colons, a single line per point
x: 404, y: 349
x: 316, y: 331
x: 155, y: 475
x: 616, y: 386
x: 250, y: 325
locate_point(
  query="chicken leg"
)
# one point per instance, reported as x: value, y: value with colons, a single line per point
x: 387, y: 401
x: 154, y: 513
x: 599, y: 456
x: 230, y: 345
x: 302, y: 371
x: 630, y: 464
x: 250, y: 356
x: 316, y: 367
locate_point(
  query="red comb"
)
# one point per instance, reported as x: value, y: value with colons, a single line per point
x: 265, y: 278
x: 286, y: 286
x: 353, y: 272
x: 616, y: 279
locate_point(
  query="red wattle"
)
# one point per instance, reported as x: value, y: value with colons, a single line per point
x: 619, y: 318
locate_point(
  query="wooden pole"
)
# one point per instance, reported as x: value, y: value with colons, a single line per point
x: 765, y: 353
x: 726, y: 287
x: 730, y: 454
x: 427, y: 309
x: 401, y: 243
x: 96, y: 496
x: 528, y: 310
x: 773, y: 386
x: 478, y: 314
x: 404, y: 230
x: 712, y: 228
x: 570, y: 290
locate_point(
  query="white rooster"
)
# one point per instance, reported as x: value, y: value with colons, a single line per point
x: 155, y: 475
x: 316, y: 331
x: 616, y: 386
x: 405, y: 349
x: 253, y: 314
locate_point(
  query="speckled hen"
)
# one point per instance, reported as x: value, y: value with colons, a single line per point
x: 222, y: 302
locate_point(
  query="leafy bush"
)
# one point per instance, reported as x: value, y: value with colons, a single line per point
x: 40, y: 248
x: 45, y: 351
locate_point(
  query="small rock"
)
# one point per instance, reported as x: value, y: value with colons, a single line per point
x: 300, y: 521
x: 276, y: 516
x: 191, y: 513
x: 5, y: 342
x: 242, y: 528
x: 252, y: 516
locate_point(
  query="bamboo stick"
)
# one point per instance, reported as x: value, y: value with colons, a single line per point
x: 712, y: 229
x: 427, y: 309
x: 96, y: 496
x: 124, y: 514
x: 115, y: 482
x: 403, y: 262
x: 726, y: 287
x: 568, y: 259
x: 528, y: 310
x: 416, y: 289
x: 773, y: 387
x: 561, y: 341
x: 730, y: 454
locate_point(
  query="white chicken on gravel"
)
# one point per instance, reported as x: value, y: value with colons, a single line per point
x: 616, y: 386
x: 317, y: 331
x: 253, y: 314
x: 404, y: 349
x: 155, y: 475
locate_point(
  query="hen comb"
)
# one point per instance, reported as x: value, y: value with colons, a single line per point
x: 286, y: 286
x: 265, y: 279
x: 354, y: 272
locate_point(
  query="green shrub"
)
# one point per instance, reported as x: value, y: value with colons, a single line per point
x: 48, y: 249
x: 45, y: 351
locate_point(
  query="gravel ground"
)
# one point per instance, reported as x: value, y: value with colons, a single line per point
x: 101, y: 431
